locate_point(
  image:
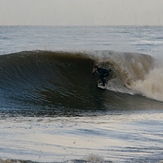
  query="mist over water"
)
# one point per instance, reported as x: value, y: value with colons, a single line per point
x: 51, y: 109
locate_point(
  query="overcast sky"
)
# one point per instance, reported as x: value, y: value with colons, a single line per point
x: 81, y: 12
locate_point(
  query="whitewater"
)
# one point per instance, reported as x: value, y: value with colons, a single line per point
x: 51, y: 109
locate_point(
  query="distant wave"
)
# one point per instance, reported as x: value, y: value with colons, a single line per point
x: 64, y: 79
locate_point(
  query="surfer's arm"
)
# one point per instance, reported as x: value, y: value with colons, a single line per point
x: 93, y: 71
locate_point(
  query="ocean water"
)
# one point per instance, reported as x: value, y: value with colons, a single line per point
x: 51, y: 109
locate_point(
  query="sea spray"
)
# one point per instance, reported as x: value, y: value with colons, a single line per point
x: 152, y: 84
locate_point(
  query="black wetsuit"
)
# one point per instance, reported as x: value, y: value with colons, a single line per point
x: 103, y: 73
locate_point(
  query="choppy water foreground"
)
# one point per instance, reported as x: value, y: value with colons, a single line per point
x: 122, y: 136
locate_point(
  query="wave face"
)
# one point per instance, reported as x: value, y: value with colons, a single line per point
x: 57, y: 81
x: 42, y: 78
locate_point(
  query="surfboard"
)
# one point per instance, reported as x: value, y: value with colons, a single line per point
x: 100, y: 85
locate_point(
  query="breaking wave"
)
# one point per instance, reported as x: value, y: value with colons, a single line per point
x: 65, y: 80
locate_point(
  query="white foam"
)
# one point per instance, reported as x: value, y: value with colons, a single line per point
x: 94, y: 158
x: 152, y: 85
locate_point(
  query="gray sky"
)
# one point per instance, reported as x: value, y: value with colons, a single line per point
x: 81, y: 12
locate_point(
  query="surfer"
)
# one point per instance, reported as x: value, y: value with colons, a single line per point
x: 103, y: 73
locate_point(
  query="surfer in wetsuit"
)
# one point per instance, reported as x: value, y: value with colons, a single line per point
x: 103, y: 73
